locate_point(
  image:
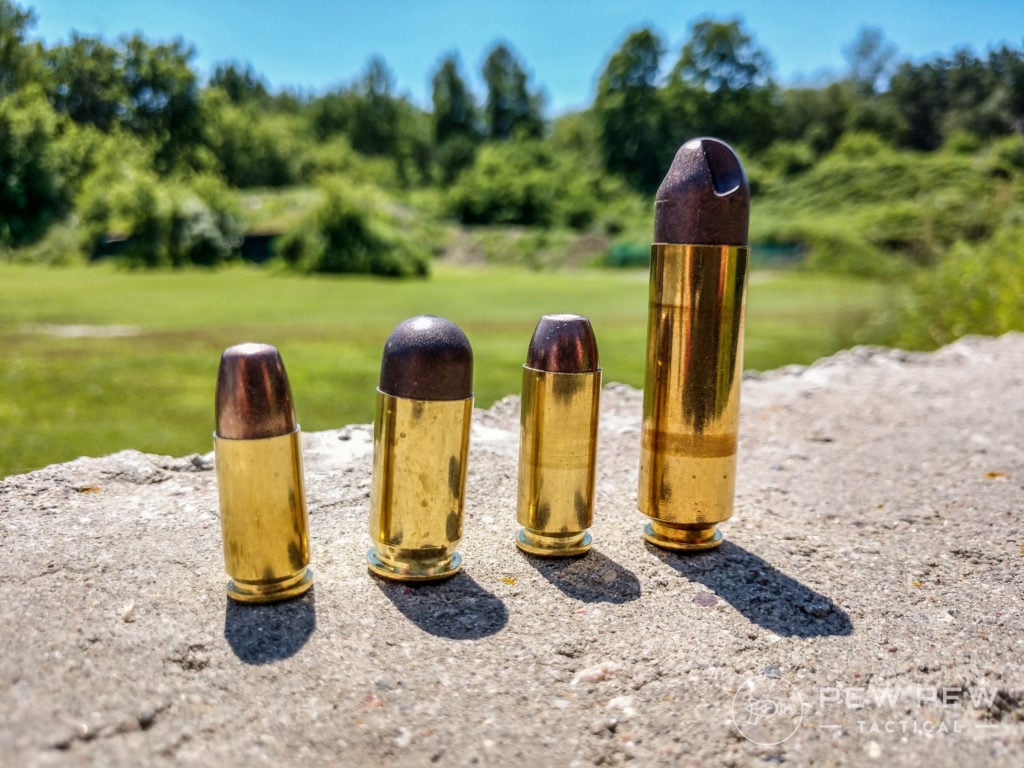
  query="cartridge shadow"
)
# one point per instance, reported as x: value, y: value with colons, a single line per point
x: 457, y: 608
x: 761, y: 592
x: 265, y: 633
x: 590, y: 578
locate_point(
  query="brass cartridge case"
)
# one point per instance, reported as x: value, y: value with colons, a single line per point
x: 420, y: 449
x: 263, y: 517
x: 557, y: 460
x: 692, y: 392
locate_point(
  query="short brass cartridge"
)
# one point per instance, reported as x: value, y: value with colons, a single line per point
x: 420, y: 448
x: 558, y: 438
x: 694, y: 347
x: 259, y: 478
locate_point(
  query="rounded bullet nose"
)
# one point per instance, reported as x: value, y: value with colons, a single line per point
x: 704, y: 198
x: 427, y: 358
x: 563, y: 344
x: 254, y: 399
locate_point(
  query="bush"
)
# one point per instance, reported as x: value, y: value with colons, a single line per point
x: 528, y: 182
x: 60, y: 246
x: 453, y: 155
x: 868, y: 209
x: 1006, y: 156
x: 975, y: 288
x: 167, y: 222
x: 252, y: 148
x: 37, y: 167
x: 508, y: 183
x: 830, y: 246
x: 335, y: 157
x: 789, y: 158
x: 206, y: 226
x: 349, y: 233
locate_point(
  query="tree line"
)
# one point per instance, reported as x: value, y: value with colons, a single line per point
x: 124, y: 136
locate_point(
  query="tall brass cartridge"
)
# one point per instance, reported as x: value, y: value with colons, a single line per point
x: 259, y: 478
x: 558, y: 438
x: 420, y: 447
x: 694, y: 347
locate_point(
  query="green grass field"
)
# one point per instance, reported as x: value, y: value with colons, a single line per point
x: 66, y: 396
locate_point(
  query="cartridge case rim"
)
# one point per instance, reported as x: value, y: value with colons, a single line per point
x: 249, y: 592
x: 698, y: 541
x: 395, y: 573
x: 528, y: 542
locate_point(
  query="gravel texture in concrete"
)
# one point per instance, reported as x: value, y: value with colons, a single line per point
x: 865, y: 608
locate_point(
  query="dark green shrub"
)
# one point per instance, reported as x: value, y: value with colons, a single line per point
x: 335, y: 157
x: 349, y: 233
x: 167, y: 222
x: 508, y: 183
x: 206, y: 227
x: 531, y: 183
x: 252, y: 148
x: 36, y: 168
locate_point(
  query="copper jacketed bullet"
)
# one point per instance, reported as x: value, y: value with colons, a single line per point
x: 259, y: 477
x: 694, y: 347
x: 558, y: 437
x: 420, y: 447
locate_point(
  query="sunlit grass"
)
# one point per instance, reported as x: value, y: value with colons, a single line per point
x: 65, y: 397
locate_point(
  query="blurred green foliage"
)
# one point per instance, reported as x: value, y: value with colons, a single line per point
x: 975, y: 288
x: 40, y: 162
x: 868, y: 208
x: 166, y: 222
x: 343, y: 235
x: 895, y: 168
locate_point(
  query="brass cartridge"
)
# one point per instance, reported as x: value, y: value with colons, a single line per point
x: 259, y: 478
x: 421, y: 444
x: 558, y: 438
x: 694, y: 348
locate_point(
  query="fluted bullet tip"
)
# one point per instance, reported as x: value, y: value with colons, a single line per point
x: 427, y: 358
x: 254, y: 398
x: 563, y: 344
x: 704, y: 198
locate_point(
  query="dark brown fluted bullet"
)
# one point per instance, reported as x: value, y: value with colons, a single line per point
x: 421, y: 443
x: 259, y: 477
x: 704, y: 198
x: 694, y: 346
x: 558, y: 437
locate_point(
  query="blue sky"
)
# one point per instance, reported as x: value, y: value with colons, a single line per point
x: 314, y: 45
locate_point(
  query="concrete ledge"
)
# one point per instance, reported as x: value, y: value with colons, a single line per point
x: 866, y: 606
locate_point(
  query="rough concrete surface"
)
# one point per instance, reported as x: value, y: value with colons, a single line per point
x: 866, y: 607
